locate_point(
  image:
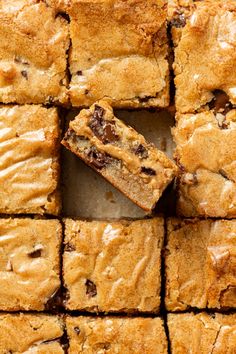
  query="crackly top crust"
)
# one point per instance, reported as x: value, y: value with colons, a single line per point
x: 111, y: 38
x: 29, y: 164
x: 200, y: 264
x: 116, y: 335
x: 205, y: 55
x: 29, y: 263
x: 206, y: 154
x: 202, y: 333
x: 32, y: 53
x: 23, y: 333
x: 113, y: 266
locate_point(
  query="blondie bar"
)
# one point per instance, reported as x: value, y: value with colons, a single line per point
x: 205, y: 56
x: 202, y: 333
x: 206, y: 155
x: 121, y: 155
x: 23, y: 333
x: 116, y: 335
x: 119, y: 52
x: 200, y: 264
x: 113, y: 266
x: 29, y: 263
x: 33, y: 46
x: 29, y: 160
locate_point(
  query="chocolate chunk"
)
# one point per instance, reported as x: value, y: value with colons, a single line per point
x: 141, y: 151
x: 104, y: 130
x: 79, y: 72
x: 98, y: 159
x: 179, y: 22
x: 148, y: 171
x: 35, y: 254
x: 77, y: 330
x: 220, y: 102
x: 55, y: 302
x: 24, y: 74
x: 69, y: 247
x: 91, y: 289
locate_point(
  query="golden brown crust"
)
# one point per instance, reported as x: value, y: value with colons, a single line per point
x: 116, y: 335
x: 205, y: 55
x: 23, y: 333
x: 32, y: 53
x: 29, y: 153
x: 113, y: 266
x: 206, y: 154
x: 202, y: 333
x: 29, y: 267
x: 200, y: 264
x: 112, y: 38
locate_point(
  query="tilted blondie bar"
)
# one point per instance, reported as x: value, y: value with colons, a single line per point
x: 23, y: 333
x: 120, y: 155
x: 29, y: 263
x: 33, y: 46
x: 200, y: 264
x: 205, y: 55
x: 206, y: 155
x: 119, y: 52
x: 113, y: 266
x: 202, y: 333
x: 29, y: 160
x: 116, y: 335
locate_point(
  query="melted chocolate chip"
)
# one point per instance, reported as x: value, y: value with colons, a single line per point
x: 103, y: 129
x: 77, y: 330
x: 179, y: 22
x: 220, y: 102
x: 69, y: 247
x: 55, y: 302
x: 148, y: 171
x: 24, y: 74
x: 98, y: 159
x: 79, y: 72
x: 91, y: 289
x: 141, y: 151
x: 35, y: 254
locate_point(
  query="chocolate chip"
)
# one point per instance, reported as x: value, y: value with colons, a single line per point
x: 141, y: 151
x: 86, y: 92
x: 79, y: 72
x: 103, y: 129
x: 148, y: 171
x: 91, y: 289
x: 69, y: 247
x: 179, y: 22
x: 98, y: 159
x: 35, y: 254
x: 24, y: 74
x: 55, y: 301
x: 220, y: 102
x: 77, y: 330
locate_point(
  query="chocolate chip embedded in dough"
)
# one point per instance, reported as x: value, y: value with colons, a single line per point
x: 91, y: 289
x: 179, y: 21
x: 24, y: 74
x: 35, y: 254
x: 148, y: 171
x: 98, y: 159
x: 141, y: 151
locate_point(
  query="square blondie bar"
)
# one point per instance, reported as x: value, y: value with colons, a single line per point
x: 33, y: 58
x: 29, y: 263
x: 202, y: 333
x: 206, y: 155
x: 116, y: 335
x: 29, y: 160
x: 205, y: 56
x: 113, y: 266
x: 200, y: 264
x: 23, y: 333
x: 119, y: 52
x: 121, y: 155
